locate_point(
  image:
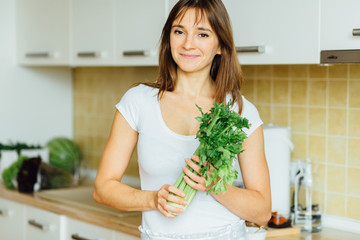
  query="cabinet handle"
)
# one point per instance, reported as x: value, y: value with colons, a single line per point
x: 251, y: 49
x: 4, y: 213
x: 139, y: 53
x: 356, y: 32
x: 88, y: 54
x: 38, y: 55
x: 76, y: 236
x: 43, y: 227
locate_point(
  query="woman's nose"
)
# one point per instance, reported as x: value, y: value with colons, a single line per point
x: 189, y: 42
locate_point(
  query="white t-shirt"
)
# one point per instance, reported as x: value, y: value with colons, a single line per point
x: 161, y: 154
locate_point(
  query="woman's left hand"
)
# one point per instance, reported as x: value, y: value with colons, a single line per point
x: 194, y: 180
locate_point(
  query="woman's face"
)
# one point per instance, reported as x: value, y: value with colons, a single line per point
x: 194, y: 43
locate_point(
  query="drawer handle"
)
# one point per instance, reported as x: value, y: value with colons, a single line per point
x: 140, y: 53
x: 76, y: 236
x: 38, y: 55
x: 4, y: 213
x: 251, y: 49
x: 356, y: 32
x: 44, y: 227
x: 88, y: 54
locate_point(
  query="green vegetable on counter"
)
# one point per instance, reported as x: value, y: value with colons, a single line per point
x: 64, y: 154
x: 53, y: 177
x: 12, y: 171
x: 18, y: 146
x: 221, y: 137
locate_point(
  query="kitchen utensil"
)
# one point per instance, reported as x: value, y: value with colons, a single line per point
x: 308, y: 218
x: 278, y: 148
x: 255, y: 233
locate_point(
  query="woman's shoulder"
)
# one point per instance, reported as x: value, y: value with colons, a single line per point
x: 141, y: 91
x: 134, y: 102
x: 248, y: 108
x: 250, y: 112
x: 246, y: 104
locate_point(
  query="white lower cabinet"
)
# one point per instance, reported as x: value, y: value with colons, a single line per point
x: 23, y: 222
x: 44, y: 225
x: 78, y: 230
x: 123, y: 236
x: 12, y: 225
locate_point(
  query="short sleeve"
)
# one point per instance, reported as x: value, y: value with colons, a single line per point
x: 129, y: 107
x: 250, y: 112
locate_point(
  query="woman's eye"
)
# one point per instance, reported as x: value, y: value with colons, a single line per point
x: 178, y: 32
x: 203, y: 35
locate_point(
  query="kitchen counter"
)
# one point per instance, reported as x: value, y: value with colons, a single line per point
x: 325, y: 234
x: 129, y: 224
x: 126, y: 224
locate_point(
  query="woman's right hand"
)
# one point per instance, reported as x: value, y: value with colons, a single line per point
x: 164, y: 195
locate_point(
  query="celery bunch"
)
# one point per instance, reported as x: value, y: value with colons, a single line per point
x: 221, y: 137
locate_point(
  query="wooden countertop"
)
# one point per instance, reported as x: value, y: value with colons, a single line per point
x: 325, y: 234
x: 129, y: 224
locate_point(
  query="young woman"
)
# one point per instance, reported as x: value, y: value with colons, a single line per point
x: 197, y: 65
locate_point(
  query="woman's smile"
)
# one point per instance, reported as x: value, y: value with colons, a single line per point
x: 189, y: 56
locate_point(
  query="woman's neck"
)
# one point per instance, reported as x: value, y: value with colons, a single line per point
x: 197, y: 84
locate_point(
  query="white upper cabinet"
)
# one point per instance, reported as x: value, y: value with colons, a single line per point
x: 42, y: 28
x: 92, y: 32
x: 340, y: 24
x: 138, y: 28
x: 275, y: 32
x: 127, y: 33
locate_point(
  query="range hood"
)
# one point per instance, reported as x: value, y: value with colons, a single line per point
x: 342, y: 56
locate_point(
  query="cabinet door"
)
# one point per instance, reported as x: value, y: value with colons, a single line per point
x: 44, y: 225
x: 275, y: 32
x: 339, y: 19
x: 123, y: 236
x: 12, y: 220
x: 138, y: 30
x: 42, y: 32
x: 77, y: 230
x: 92, y: 32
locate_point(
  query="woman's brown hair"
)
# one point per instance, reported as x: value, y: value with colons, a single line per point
x: 225, y: 70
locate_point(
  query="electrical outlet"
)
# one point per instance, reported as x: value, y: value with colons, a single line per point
x: 295, y: 168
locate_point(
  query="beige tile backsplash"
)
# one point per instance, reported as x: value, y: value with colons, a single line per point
x: 321, y: 104
x: 96, y: 92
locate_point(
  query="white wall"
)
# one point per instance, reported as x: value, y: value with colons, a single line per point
x: 36, y: 104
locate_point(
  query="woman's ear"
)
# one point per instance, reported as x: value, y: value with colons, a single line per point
x: 218, y: 51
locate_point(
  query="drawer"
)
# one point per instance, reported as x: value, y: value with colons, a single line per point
x: 44, y: 225
x: 77, y: 230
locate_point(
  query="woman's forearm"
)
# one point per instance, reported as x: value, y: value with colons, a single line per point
x: 247, y: 204
x: 123, y: 197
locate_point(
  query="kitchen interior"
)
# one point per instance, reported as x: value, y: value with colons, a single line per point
x: 302, y: 73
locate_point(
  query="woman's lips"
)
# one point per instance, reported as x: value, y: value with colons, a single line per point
x: 189, y: 56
